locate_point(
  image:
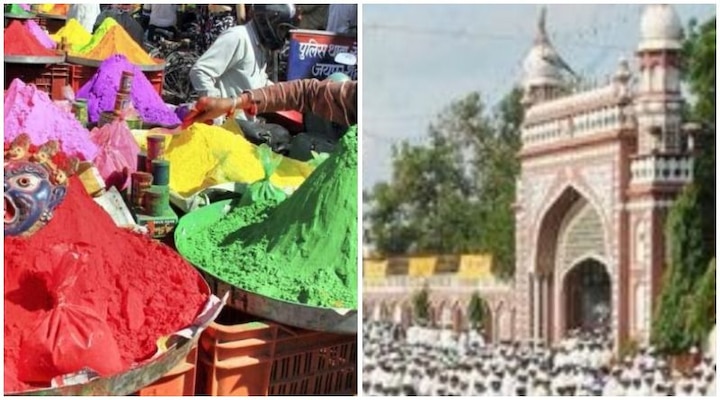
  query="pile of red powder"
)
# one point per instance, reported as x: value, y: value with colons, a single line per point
x: 19, y: 41
x: 142, y: 288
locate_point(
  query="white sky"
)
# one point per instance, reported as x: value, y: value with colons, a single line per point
x: 416, y: 59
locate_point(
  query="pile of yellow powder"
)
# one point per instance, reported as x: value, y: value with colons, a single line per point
x: 74, y: 33
x: 53, y: 9
x: 205, y: 155
x: 111, y: 38
x: 97, y: 35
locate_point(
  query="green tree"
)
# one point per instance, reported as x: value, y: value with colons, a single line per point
x: 690, y: 229
x: 476, y: 311
x: 454, y: 193
x: 701, y: 317
x: 687, y: 259
x: 421, y: 305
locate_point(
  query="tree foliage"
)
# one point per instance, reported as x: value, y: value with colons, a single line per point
x: 701, y: 318
x: 688, y: 260
x: 681, y: 320
x: 455, y: 192
x: 477, y: 311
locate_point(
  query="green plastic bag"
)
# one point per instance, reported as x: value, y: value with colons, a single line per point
x: 263, y: 190
x: 317, y: 159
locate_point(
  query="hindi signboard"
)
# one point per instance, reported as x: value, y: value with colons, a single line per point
x: 312, y: 54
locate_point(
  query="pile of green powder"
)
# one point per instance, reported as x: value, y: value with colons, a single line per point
x: 303, y: 249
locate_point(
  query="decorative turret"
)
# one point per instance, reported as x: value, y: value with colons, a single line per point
x: 659, y: 101
x: 660, y: 29
x: 544, y: 69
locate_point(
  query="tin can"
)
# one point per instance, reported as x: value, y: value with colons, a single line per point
x: 161, y: 172
x: 80, y: 110
x: 155, y: 147
x: 126, y: 82
x: 139, y: 183
x: 134, y: 122
x: 156, y: 200
x: 122, y: 101
x: 142, y: 162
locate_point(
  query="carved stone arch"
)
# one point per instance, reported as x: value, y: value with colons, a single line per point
x: 586, y: 295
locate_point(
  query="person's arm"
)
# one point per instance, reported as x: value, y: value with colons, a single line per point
x: 335, y: 101
x: 228, y: 49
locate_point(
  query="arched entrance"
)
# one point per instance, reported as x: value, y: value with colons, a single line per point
x: 587, y: 296
x: 571, y: 229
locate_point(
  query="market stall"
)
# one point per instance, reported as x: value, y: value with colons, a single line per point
x: 114, y: 234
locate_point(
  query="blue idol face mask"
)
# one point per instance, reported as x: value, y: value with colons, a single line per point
x: 34, y: 187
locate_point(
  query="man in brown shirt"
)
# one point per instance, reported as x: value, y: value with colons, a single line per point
x: 335, y: 101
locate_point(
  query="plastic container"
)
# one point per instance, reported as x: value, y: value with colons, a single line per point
x: 180, y: 381
x: 50, y: 78
x: 81, y: 74
x: 241, y: 356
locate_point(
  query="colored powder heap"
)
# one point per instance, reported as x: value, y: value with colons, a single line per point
x: 117, y: 155
x: 97, y: 35
x: 101, y: 92
x: 53, y: 9
x: 74, y: 33
x: 40, y: 34
x: 116, y: 41
x: 143, y: 289
x: 20, y: 42
x: 303, y: 249
x: 205, y: 155
x: 30, y: 110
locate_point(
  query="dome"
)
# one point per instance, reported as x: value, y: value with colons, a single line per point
x: 538, y: 70
x: 543, y: 65
x: 660, y: 28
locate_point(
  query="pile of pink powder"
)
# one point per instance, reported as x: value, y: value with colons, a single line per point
x: 30, y: 110
x: 40, y: 34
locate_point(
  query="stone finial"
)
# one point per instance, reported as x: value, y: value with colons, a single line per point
x: 623, y: 74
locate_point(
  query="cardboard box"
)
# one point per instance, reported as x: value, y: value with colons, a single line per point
x: 158, y: 227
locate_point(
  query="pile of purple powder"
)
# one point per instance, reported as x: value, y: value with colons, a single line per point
x: 30, y: 110
x: 102, y: 89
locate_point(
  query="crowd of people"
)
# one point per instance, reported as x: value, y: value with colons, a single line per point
x: 439, y: 362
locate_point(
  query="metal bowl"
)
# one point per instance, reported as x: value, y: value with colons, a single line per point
x: 333, y: 320
x: 34, y: 59
x: 178, y: 347
x: 88, y: 62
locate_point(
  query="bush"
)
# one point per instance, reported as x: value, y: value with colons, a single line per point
x: 701, y: 318
x: 688, y: 259
x: 421, y: 304
x: 476, y: 311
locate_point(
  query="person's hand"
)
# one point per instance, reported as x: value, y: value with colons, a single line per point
x: 207, y: 109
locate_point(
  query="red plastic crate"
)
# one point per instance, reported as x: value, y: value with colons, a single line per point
x: 49, y: 78
x: 180, y: 381
x: 241, y: 356
x: 81, y: 74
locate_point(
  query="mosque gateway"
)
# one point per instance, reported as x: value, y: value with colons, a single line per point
x: 600, y: 168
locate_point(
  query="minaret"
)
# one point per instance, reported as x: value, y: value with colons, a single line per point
x: 662, y: 164
x: 543, y: 69
x: 659, y: 99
